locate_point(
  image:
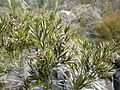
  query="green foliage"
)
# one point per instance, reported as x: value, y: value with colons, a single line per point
x: 90, y: 62
x: 42, y: 42
x: 50, y: 38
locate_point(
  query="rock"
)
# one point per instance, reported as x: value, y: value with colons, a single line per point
x: 68, y: 17
x: 39, y: 88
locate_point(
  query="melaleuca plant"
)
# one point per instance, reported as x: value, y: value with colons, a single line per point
x: 49, y: 39
x: 91, y: 62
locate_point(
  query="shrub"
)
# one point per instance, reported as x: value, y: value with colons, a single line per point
x: 41, y: 42
x: 108, y: 27
x: 91, y: 62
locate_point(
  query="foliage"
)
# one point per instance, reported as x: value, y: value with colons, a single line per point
x: 50, y: 38
x: 108, y: 27
x: 85, y: 1
x: 22, y: 35
x: 91, y: 62
x: 41, y: 42
x: 3, y: 3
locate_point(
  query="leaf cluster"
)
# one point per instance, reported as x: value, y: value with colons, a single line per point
x: 108, y: 27
x: 91, y: 62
